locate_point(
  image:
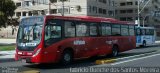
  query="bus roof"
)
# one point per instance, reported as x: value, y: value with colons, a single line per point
x: 89, y: 18
x: 83, y: 18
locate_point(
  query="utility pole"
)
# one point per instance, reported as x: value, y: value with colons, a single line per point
x: 62, y: 7
x: 138, y: 13
x: 49, y: 8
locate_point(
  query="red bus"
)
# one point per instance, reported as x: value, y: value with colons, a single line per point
x: 52, y: 39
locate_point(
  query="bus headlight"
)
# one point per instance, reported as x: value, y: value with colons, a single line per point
x: 37, y: 52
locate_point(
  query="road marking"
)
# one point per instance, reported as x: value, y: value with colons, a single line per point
x: 135, y: 59
x: 107, y: 61
x: 135, y: 56
x: 30, y: 71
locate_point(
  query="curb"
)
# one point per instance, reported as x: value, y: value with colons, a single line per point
x: 30, y: 71
x: 107, y: 61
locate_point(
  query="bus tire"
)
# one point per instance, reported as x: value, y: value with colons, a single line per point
x: 115, y: 51
x: 144, y: 43
x: 67, y: 57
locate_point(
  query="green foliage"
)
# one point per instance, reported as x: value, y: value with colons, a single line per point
x: 6, y: 11
x: 7, y: 47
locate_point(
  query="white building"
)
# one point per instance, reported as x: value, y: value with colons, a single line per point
x: 100, y: 8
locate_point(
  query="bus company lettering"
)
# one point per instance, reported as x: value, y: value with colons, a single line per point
x: 79, y: 42
x: 112, y: 41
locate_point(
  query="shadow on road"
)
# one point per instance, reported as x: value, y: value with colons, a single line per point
x: 7, y: 60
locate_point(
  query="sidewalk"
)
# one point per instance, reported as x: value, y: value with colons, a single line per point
x: 7, y: 54
x: 7, y: 41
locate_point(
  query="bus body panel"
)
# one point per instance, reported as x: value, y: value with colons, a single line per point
x: 83, y: 47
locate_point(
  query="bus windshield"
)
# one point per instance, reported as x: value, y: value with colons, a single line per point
x: 29, y: 33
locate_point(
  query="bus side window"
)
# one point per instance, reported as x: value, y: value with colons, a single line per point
x: 131, y: 30
x: 143, y: 31
x: 93, y: 29
x: 148, y: 32
x: 124, y: 30
x: 82, y: 29
x: 116, y: 30
x: 138, y: 32
x: 105, y: 29
x: 69, y: 29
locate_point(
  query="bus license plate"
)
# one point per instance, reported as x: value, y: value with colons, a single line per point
x: 24, y: 60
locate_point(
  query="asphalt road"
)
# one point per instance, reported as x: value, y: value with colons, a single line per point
x: 137, y: 60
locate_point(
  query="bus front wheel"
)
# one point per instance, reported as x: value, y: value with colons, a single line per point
x: 67, y: 57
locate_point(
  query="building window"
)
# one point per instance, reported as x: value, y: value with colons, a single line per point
x: 53, y: 11
x: 129, y: 19
x: 123, y: 18
x: 130, y: 11
x: 18, y: 4
x: 90, y: 9
x: 100, y: 10
x: 104, y: 11
x: 94, y: 8
x: 122, y: 11
x: 30, y: 13
x: 26, y: 3
x: 66, y: 10
x: 103, y: 1
x: 18, y: 14
x: 24, y: 13
x: 122, y: 4
x: 129, y: 3
x: 136, y: 3
x: 53, y: 1
x: 111, y: 13
x: 63, y: 0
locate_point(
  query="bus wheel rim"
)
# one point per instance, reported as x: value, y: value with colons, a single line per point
x: 115, y: 52
x: 67, y: 57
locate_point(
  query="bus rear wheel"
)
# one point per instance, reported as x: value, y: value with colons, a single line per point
x: 115, y: 51
x: 67, y: 57
x: 144, y: 43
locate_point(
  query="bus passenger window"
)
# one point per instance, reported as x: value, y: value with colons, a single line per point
x: 93, y: 29
x: 143, y: 31
x: 124, y: 30
x: 105, y: 29
x: 138, y: 32
x: 82, y: 29
x: 69, y: 29
x: 131, y: 30
x: 116, y: 30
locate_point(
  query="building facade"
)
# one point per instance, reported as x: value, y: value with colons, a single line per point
x: 100, y: 8
x: 127, y: 10
x: 25, y: 8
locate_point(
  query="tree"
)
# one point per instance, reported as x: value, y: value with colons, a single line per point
x: 7, y: 9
